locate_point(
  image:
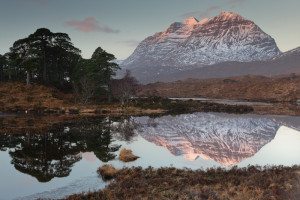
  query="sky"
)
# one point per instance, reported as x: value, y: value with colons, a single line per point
x: 119, y: 25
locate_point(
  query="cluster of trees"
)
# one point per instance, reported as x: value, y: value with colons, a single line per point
x: 93, y: 76
x: 51, y: 58
x: 42, y: 56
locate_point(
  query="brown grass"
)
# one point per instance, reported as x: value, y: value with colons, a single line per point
x: 282, y: 90
x: 18, y: 97
x: 127, y: 156
x: 15, y: 96
x: 107, y: 172
x: 219, y: 184
x: 250, y: 87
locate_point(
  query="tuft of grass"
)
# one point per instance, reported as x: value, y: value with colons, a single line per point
x: 107, y: 172
x: 126, y: 155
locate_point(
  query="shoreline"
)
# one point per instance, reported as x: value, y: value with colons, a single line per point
x: 15, y: 97
x: 252, y: 182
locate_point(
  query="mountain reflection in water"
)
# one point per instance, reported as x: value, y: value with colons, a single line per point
x: 74, y: 151
x: 225, y: 138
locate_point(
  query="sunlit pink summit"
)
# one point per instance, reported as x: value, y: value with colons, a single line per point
x: 226, y: 37
x: 190, y: 21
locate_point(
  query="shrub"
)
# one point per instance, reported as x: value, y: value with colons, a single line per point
x: 127, y: 156
x: 107, y: 172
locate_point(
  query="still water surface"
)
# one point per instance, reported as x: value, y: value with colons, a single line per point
x: 64, y: 161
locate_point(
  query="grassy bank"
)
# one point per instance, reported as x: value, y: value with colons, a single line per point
x: 285, y: 88
x: 254, y: 183
x: 17, y: 97
x: 282, y: 91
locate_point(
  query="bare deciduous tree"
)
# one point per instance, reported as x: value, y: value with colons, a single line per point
x: 125, y: 88
x: 87, y: 87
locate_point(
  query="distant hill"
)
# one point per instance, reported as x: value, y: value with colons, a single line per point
x: 285, y: 63
x: 251, y: 87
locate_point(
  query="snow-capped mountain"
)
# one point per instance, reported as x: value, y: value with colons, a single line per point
x: 226, y: 37
x: 224, y: 138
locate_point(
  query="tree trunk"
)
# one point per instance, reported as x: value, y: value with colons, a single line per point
x: 9, y: 75
x: 44, y: 68
x: 61, y: 76
x: 109, y: 92
x: 45, y: 73
x: 16, y: 73
x: 28, y: 77
x: 1, y: 73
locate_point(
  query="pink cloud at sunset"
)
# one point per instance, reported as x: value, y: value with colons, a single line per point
x: 89, y: 156
x: 30, y: 181
x: 90, y: 24
x: 204, y: 13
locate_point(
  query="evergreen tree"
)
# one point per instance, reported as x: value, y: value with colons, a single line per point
x: 65, y: 56
x: 95, y: 73
x: 54, y: 57
x: 30, y: 64
x: 3, y: 62
x: 21, y: 58
x: 42, y: 40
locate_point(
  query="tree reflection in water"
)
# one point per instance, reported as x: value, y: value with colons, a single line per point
x: 124, y: 128
x: 52, y: 154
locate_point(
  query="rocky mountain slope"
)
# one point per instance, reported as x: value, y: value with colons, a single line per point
x: 226, y: 37
x: 223, y: 46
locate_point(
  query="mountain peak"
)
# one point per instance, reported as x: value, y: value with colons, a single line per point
x: 229, y: 15
x: 224, y: 38
x: 190, y: 21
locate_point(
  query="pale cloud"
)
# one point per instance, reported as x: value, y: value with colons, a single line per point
x: 202, y: 13
x: 236, y: 1
x: 90, y: 24
x: 41, y: 2
x: 131, y: 43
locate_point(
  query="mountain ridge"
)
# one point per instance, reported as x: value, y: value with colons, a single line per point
x: 226, y: 37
